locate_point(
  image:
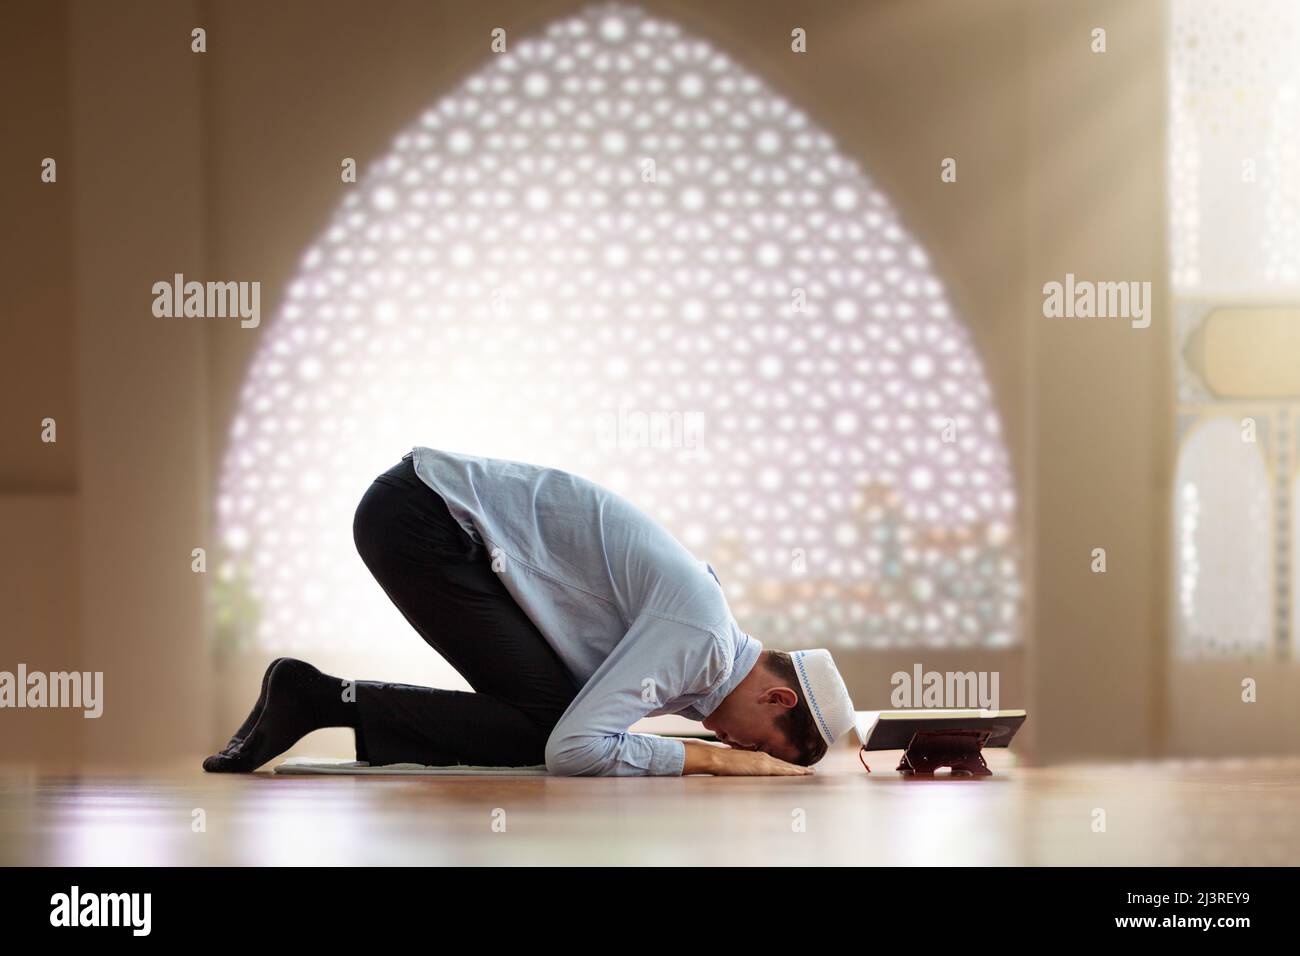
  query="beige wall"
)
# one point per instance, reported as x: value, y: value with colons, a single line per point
x: 227, y: 165
x: 142, y: 449
x: 98, y: 527
x: 1099, y: 399
x: 38, y: 481
x: 38, y: 591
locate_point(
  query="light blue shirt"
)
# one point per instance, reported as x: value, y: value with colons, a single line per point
x: 641, y: 624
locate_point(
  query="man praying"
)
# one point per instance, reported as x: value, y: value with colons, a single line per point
x: 572, y: 615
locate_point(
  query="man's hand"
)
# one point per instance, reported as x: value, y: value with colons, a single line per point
x: 704, y: 757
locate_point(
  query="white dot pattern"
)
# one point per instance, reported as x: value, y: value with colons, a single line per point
x: 1234, y: 142
x: 614, y: 251
x: 1221, y: 544
x: 1234, y: 145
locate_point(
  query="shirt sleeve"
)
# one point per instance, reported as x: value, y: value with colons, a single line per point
x: 657, y: 661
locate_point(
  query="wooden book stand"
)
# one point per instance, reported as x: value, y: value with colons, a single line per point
x: 959, y: 750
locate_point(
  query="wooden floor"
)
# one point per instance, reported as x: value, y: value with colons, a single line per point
x: 1228, y: 813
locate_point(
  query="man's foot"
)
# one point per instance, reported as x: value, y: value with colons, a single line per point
x: 255, y: 713
x: 298, y: 700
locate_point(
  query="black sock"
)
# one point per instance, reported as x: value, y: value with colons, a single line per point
x: 255, y: 713
x: 299, y: 699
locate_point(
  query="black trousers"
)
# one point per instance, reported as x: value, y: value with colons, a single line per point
x: 443, y: 582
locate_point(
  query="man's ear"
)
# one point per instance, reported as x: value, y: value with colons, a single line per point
x: 784, y: 696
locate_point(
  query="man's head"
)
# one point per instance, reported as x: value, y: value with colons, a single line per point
x: 792, y: 706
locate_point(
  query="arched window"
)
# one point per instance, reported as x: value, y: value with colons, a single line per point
x: 1222, y: 529
x: 612, y: 250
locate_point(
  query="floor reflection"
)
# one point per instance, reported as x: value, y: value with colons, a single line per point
x: 1243, y: 813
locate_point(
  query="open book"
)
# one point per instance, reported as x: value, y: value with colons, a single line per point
x: 893, y: 729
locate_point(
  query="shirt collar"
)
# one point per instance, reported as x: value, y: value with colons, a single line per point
x: 747, y: 651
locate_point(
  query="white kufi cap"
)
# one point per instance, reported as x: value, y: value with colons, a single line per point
x: 824, y: 689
